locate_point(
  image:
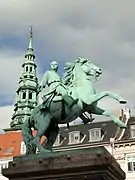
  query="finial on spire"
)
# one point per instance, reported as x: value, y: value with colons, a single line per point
x: 30, y: 39
x: 31, y: 33
x: 30, y: 44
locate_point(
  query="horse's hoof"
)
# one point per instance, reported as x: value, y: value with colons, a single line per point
x: 123, y: 102
x: 123, y: 127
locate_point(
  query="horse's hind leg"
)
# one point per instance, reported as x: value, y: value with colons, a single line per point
x: 51, y: 136
x: 107, y: 113
x: 43, y: 124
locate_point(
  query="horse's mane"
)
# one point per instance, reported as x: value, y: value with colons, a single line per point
x: 69, y: 67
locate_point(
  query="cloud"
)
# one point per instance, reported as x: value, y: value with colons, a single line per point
x: 100, y: 30
x: 5, y: 116
x: 10, y: 71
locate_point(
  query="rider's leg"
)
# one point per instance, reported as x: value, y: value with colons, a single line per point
x: 68, y: 99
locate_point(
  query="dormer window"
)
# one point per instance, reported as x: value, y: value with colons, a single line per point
x: 132, y: 131
x: 59, y: 140
x: 95, y: 134
x: 130, y: 163
x: 74, y: 137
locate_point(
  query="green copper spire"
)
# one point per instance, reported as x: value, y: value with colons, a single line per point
x: 26, y: 96
x: 30, y: 44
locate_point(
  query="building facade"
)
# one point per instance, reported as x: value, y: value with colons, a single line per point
x: 11, y: 144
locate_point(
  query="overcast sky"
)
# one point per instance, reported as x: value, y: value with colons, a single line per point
x: 101, y: 30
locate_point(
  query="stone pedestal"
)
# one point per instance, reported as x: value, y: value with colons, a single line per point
x: 85, y: 164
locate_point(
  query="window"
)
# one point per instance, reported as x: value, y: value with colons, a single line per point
x: 30, y: 69
x: 26, y: 68
x: 131, y: 163
x: 74, y: 137
x: 4, y: 165
x: 132, y: 128
x: 29, y: 57
x: 20, y: 120
x: 24, y: 95
x: 23, y: 148
x: 30, y: 95
x: 95, y: 134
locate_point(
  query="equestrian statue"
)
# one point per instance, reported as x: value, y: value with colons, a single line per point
x: 68, y: 98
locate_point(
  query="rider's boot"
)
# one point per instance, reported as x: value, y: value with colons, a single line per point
x: 70, y: 101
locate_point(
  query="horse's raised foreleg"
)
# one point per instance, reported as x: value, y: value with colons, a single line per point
x: 96, y: 97
x: 99, y: 111
x: 42, y: 124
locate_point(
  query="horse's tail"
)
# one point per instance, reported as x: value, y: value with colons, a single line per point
x: 27, y: 136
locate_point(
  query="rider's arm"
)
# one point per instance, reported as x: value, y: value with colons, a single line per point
x: 44, y: 81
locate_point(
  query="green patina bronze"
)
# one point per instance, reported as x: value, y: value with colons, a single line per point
x: 67, y: 99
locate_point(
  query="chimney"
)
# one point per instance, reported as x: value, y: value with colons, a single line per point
x: 125, y: 115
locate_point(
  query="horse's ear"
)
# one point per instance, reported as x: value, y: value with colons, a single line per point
x: 77, y: 60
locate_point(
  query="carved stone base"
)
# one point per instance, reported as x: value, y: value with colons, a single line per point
x: 86, y: 164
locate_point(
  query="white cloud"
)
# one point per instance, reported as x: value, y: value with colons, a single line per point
x: 10, y: 71
x: 5, y: 116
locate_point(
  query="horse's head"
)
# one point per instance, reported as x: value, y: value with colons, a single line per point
x: 77, y: 69
x: 89, y: 68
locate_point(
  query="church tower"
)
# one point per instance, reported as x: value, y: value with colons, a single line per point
x: 26, y: 94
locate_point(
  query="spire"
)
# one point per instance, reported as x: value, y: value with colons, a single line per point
x: 30, y: 39
x: 30, y: 51
x: 26, y: 94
